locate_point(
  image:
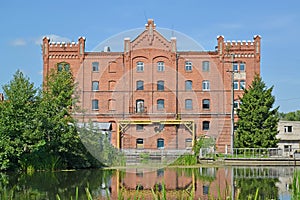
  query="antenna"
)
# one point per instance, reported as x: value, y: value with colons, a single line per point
x: 172, y: 28
x: 145, y: 15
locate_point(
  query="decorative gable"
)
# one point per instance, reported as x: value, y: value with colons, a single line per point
x: 151, y: 38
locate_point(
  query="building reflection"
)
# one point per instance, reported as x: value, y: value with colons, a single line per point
x: 203, y: 183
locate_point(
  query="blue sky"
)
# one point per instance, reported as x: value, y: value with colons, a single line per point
x: 24, y: 23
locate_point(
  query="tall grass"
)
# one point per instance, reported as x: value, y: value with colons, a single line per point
x: 296, y: 185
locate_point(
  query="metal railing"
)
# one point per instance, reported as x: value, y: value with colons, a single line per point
x: 252, y: 153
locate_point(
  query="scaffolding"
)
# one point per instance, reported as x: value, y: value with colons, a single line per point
x: 123, y: 124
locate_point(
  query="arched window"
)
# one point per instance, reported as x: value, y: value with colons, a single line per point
x: 205, y: 125
x: 188, y: 85
x: 160, y: 143
x: 160, y: 85
x: 140, y: 85
x: 188, y: 104
x: 139, y: 143
x: 205, y: 66
x: 160, y: 104
x: 140, y: 106
x: 95, y: 104
x: 95, y: 85
x: 205, y: 103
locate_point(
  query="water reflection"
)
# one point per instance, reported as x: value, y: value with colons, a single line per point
x: 179, y: 183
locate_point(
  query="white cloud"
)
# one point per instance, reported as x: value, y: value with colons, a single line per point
x: 19, y: 42
x: 53, y: 38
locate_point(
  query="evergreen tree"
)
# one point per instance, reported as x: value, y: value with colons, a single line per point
x: 257, y: 124
x: 17, y: 121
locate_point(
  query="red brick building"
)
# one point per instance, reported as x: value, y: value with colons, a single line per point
x: 151, y: 95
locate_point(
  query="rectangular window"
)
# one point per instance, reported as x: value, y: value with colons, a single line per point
x: 205, y: 85
x: 188, y: 66
x: 235, y: 67
x: 95, y: 67
x: 160, y: 85
x: 188, y: 143
x: 188, y: 85
x: 139, y: 66
x: 95, y: 85
x: 140, y: 85
x: 140, y: 127
x: 205, y: 103
x: 205, y: 125
x: 287, y: 148
x: 188, y: 104
x: 160, y: 66
x: 288, y: 129
x: 236, y: 104
x: 242, y: 84
x: 235, y: 85
x: 242, y: 67
x: 205, y: 66
x: 95, y: 104
x: 160, y: 104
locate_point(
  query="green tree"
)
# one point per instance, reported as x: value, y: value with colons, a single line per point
x: 257, y: 124
x: 291, y: 116
x: 57, y: 126
x: 17, y: 121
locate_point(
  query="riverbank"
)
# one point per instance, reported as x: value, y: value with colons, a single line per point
x: 276, y: 161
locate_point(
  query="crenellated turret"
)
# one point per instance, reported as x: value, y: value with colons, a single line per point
x: 249, y: 48
x: 63, y: 50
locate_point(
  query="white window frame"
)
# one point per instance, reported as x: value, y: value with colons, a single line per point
x: 242, y: 84
x: 205, y: 85
x: 235, y: 84
x: 139, y: 66
x: 160, y: 66
x: 95, y: 85
x: 188, y: 66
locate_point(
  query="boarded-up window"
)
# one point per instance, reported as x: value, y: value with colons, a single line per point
x: 112, y: 67
x: 111, y: 104
x: 111, y: 85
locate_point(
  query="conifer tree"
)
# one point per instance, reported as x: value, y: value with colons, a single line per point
x: 257, y: 124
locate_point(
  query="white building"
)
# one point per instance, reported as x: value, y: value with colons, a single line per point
x: 289, y: 136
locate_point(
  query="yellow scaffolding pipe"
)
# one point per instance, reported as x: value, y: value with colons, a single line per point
x: 123, y: 124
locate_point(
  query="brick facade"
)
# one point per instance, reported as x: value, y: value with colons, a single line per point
x: 156, y: 86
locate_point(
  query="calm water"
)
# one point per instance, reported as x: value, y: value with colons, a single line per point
x: 273, y: 183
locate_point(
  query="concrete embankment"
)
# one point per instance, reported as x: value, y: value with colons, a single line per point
x: 253, y: 161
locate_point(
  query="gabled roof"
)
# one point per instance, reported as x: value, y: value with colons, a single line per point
x: 150, y: 38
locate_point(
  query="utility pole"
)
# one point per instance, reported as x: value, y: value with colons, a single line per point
x: 232, y: 71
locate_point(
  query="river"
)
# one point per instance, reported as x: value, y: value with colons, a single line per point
x: 175, y: 183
